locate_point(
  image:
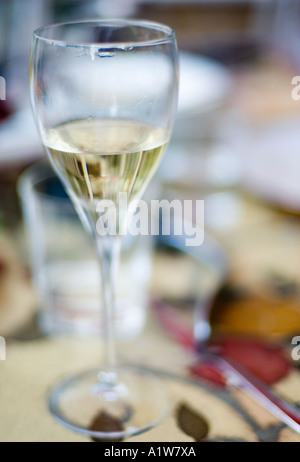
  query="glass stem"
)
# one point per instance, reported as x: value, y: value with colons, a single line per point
x: 108, y: 249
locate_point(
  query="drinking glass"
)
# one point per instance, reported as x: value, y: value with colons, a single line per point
x: 65, y: 270
x: 104, y: 94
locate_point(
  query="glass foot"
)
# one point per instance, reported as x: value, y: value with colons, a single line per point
x: 135, y: 404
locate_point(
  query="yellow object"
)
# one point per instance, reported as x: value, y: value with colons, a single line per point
x: 258, y: 315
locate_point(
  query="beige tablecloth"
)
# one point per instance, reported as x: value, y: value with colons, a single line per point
x: 33, y: 367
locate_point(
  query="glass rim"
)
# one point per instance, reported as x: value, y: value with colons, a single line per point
x: 147, y: 24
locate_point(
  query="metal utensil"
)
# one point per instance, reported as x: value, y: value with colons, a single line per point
x: 233, y: 373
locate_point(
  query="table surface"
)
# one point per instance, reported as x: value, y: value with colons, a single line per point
x: 33, y: 365
x: 261, y: 239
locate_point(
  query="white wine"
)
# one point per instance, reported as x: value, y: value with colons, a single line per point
x: 98, y: 158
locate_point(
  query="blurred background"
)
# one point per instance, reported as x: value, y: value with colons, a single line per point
x: 235, y: 145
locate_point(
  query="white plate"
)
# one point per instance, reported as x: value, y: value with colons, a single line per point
x: 204, y: 84
x: 272, y: 163
x: 19, y: 139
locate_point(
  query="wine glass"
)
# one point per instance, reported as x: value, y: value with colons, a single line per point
x: 104, y: 94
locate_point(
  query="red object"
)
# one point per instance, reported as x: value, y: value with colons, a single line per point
x: 2, y: 267
x: 5, y: 110
x: 263, y: 359
x: 207, y: 371
x: 167, y: 318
